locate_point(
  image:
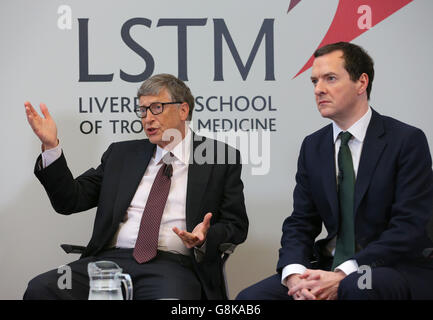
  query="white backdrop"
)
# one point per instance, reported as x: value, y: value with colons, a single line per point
x: 40, y: 62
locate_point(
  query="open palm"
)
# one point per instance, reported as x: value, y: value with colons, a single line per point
x: 45, y: 128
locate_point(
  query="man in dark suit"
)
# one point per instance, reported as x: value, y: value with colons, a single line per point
x: 366, y: 177
x: 164, y: 204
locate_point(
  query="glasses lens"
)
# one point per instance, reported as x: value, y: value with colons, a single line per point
x: 156, y: 108
x: 140, y: 112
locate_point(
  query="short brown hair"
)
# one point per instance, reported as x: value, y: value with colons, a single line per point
x: 356, y: 61
x: 177, y: 89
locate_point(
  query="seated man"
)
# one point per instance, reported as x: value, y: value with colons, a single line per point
x: 368, y: 178
x: 162, y: 212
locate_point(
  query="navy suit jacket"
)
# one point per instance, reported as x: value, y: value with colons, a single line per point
x: 392, y: 206
x: 214, y: 186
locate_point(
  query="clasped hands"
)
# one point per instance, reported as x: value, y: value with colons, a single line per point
x: 197, y: 237
x: 315, y: 285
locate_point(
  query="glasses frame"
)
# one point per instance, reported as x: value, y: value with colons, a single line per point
x: 137, y: 110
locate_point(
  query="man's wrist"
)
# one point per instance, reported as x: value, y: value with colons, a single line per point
x: 49, y: 146
x: 290, y: 277
x: 291, y: 269
x: 348, y: 267
x: 340, y: 273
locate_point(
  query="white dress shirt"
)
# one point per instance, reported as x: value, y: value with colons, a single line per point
x: 358, y: 131
x: 174, y: 214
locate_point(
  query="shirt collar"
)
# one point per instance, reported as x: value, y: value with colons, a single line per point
x: 358, y: 129
x: 181, y: 151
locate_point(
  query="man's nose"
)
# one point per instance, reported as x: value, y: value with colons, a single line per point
x: 319, y: 88
x: 149, y: 117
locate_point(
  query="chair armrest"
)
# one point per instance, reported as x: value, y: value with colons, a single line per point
x: 70, y: 248
x: 226, y: 250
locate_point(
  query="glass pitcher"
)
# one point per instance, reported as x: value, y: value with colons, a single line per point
x: 105, y: 278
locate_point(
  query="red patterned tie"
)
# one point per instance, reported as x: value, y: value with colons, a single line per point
x: 147, y: 240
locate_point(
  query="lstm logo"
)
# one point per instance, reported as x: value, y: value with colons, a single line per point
x: 353, y: 18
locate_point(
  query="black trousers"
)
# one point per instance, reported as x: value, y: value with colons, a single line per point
x: 387, y: 284
x: 167, y: 276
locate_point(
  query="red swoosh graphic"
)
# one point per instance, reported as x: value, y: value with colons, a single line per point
x: 344, y: 26
x: 292, y: 4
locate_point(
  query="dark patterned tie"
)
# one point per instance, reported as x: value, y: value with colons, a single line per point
x: 345, y: 248
x: 147, y: 240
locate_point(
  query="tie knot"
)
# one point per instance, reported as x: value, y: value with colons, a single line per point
x: 167, y: 161
x: 345, y: 137
x: 168, y: 158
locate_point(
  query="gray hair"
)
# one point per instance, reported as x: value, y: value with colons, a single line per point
x: 177, y: 89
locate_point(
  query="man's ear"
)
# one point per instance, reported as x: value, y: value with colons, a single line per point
x: 363, y: 83
x: 184, y: 111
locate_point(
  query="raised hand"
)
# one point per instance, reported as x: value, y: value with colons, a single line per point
x: 44, y: 128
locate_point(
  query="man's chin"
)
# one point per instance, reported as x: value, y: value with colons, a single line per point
x: 153, y: 139
x: 325, y: 112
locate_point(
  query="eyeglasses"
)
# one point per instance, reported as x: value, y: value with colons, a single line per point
x: 155, y: 108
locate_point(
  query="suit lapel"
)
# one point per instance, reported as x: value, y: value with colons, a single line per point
x: 371, y: 152
x: 132, y: 171
x: 198, y: 176
x: 327, y: 163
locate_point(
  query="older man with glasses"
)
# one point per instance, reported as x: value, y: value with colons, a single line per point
x: 162, y: 214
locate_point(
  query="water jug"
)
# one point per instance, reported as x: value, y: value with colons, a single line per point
x: 105, y: 278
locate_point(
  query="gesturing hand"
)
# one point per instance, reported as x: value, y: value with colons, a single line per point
x: 198, y: 235
x: 44, y: 128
